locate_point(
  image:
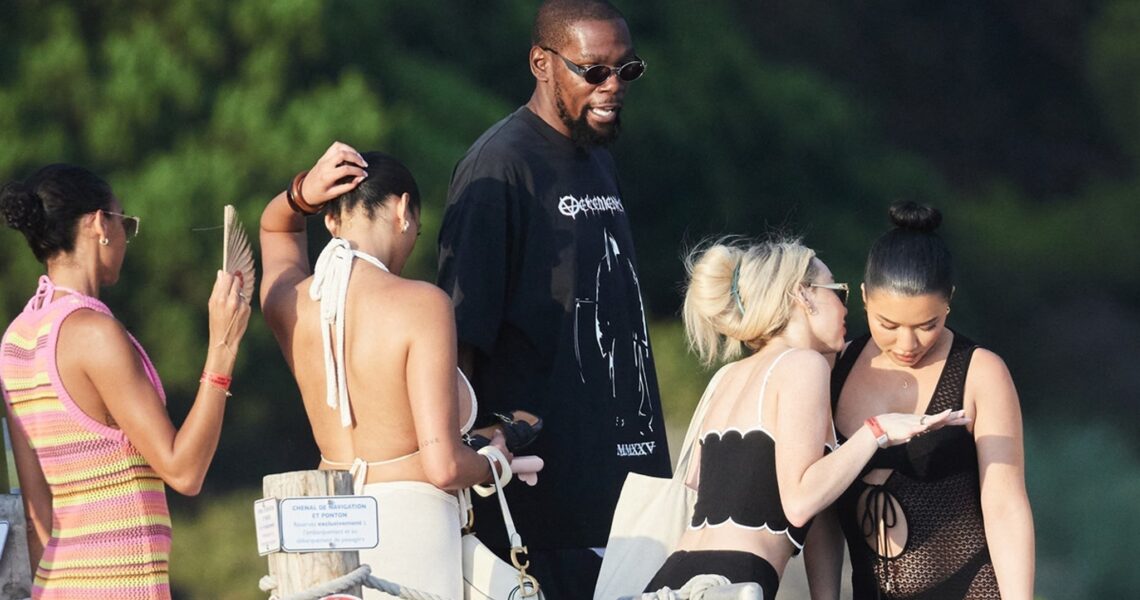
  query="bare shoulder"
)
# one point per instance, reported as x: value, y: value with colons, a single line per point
x: 988, y: 368
x: 92, y: 326
x: 87, y: 328
x: 802, y: 362
x: 417, y: 303
x: 425, y: 299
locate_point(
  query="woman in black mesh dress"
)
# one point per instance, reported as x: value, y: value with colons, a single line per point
x: 946, y: 515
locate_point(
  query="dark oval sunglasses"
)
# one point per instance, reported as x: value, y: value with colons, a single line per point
x: 598, y: 74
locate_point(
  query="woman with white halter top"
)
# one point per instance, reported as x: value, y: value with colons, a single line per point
x: 374, y: 356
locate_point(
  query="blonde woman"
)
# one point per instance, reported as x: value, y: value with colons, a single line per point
x: 767, y: 460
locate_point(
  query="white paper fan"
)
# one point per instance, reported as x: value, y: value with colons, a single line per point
x: 237, y: 254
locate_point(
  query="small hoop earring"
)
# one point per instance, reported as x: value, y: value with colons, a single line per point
x: 404, y: 227
x: 104, y: 241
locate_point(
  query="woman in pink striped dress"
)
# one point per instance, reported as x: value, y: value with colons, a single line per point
x: 93, y: 442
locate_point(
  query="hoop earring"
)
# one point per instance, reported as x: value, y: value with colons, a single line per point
x: 404, y: 227
x: 104, y: 241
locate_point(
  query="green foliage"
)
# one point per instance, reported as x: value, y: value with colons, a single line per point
x: 1084, y: 479
x: 215, y: 549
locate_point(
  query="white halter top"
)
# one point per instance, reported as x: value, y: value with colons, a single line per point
x: 330, y: 288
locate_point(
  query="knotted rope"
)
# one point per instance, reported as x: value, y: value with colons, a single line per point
x: 361, y: 576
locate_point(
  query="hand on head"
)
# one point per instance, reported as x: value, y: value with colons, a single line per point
x: 338, y: 171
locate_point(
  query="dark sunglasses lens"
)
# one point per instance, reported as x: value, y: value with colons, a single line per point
x: 842, y: 296
x: 130, y: 226
x: 631, y: 70
x: 597, y: 74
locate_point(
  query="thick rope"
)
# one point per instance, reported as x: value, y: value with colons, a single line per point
x: 361, y: 576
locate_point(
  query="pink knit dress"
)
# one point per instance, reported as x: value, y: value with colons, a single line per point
x: 110, y: 535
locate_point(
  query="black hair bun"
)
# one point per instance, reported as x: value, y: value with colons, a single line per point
x: 915, y: 217
x: 22, y: 208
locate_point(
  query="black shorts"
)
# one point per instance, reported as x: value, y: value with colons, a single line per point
x: 738, y: 567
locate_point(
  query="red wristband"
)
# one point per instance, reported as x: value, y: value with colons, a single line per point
x: 222, y: 382
x: 881, y: 437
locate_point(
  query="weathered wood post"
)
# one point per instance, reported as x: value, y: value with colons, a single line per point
x: 15, y: 572
x: 15, y: 569
x: 297, y: 572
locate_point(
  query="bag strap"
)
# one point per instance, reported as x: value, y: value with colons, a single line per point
x: 682, y: 469
x: 528, y: 585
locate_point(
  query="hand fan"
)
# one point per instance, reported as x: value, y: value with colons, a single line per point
x: 237, y: 254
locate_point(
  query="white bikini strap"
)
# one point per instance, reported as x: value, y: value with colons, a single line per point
x: 473, y: 402
x: 764, y: 386
x: 330, y: 288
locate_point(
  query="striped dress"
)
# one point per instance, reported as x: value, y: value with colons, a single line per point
x: 110, y: 534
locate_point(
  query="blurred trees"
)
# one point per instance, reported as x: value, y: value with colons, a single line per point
x: 1019, y: 120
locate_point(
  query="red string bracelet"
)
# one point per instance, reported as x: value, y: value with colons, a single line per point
x: 222, y: 382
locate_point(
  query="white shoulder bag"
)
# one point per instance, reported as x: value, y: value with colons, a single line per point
x: 651, y: 515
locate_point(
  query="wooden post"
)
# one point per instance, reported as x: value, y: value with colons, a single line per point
x: 15, y: 571
x: 297, y: 572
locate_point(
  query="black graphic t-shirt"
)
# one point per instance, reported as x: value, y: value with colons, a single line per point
x: 536, y: 252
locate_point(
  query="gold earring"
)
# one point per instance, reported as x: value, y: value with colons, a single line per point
x: 104, y: 241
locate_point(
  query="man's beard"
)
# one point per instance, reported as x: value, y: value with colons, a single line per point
x: 582, y: 133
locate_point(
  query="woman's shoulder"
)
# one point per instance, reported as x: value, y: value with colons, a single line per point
x: 794, y: 366
x: 986, y: 366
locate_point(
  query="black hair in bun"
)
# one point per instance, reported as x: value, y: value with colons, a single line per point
x: 915, y: 217
x: 22, y: 209
x: 911, y: 259
x: 46, y: 206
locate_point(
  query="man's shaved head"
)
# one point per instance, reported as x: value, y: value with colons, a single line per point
x: 554, y: 18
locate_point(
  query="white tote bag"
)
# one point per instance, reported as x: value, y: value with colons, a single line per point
x: 651, y: 515
x: 488, y: 577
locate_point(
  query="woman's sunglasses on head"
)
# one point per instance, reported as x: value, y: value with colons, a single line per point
x: 598, y: 74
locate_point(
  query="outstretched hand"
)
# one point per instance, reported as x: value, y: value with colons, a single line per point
x: 901, y: 427
x: 338, y: 171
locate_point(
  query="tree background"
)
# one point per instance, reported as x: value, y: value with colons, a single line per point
x: 1020, y: 120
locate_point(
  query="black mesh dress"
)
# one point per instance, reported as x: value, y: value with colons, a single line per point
x: 935, y: 482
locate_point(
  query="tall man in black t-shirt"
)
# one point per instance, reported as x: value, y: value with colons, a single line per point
x: 536, y: 252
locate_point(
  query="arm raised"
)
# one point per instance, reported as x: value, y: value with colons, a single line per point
x: 180, y: 457
x: 284, y: 248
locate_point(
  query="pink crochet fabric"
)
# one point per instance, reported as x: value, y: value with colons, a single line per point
x: 110, y: 524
